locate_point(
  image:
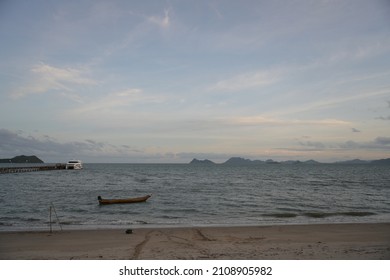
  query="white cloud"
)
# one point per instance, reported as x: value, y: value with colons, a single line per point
x: 247, y: 81
x: 112, y: 108
x: 111, y: 101
x: 262, y: 120
x: 47, y: 78
x: 163, y: 22
x: 54, y: 74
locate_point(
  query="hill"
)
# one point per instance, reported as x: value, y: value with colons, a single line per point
x: 239, y: 161
x: 197, y: 161
x: 244, y: 161
x: 381, y: 161
x: 22, y: 159
x: 353, y: 161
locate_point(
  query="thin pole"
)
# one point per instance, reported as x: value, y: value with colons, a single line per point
x: 55, y: 212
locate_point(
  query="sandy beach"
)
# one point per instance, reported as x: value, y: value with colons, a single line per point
x: 286, y: 242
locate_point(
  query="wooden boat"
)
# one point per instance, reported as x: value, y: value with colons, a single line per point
x: 123, y: 200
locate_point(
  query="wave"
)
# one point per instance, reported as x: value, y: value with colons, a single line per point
x: 330, y: 214
x: 319, y: 214
x: 281, y: 215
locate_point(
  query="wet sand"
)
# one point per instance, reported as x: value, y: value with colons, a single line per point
x: 286, y: 242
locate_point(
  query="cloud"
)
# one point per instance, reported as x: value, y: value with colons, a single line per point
x: 163, y: 22
x: 349, y: 145
x: 47, y: 78
x: 57, y: 75
x: 313, y: 144
x: 275, y: 74
x: 114, y: 107
x: 89, y: 150
x: 216, y: 10
x: 247, y: 81
x: 355, y: 130
x: 382, y: 117
x: 379, y: 143
x: 16, y: 143
x: 383, y: 141
x: 331, y: 102
x: 262, y: 120
x: 111, y: 101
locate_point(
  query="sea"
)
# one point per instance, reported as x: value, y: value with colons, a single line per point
x: 195, y: 195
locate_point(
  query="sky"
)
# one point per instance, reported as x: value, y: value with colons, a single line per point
x: 167, y: 81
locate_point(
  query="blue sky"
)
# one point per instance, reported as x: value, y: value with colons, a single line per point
x: 167, y: 81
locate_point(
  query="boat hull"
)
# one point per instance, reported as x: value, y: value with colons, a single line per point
x: 75, y: 167
x: 74, y: 164
x: 123, y: 200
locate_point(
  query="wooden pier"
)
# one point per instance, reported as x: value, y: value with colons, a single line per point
x: 21, y: 169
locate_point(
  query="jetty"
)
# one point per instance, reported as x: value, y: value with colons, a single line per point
x: 21, y: 169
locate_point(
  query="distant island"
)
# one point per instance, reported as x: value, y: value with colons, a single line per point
x: 244, y: 161
x: 201, y: 162
x: 22, y: 159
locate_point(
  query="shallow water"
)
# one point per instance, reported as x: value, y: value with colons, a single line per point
x: 184, y: 194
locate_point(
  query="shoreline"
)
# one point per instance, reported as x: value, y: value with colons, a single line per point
x: 67, y: 227
x: 346, y: 241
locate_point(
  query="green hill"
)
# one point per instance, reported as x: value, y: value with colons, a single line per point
x: 22, y: 159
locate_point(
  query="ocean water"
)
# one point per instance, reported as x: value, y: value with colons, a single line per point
x: 185, y: 195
